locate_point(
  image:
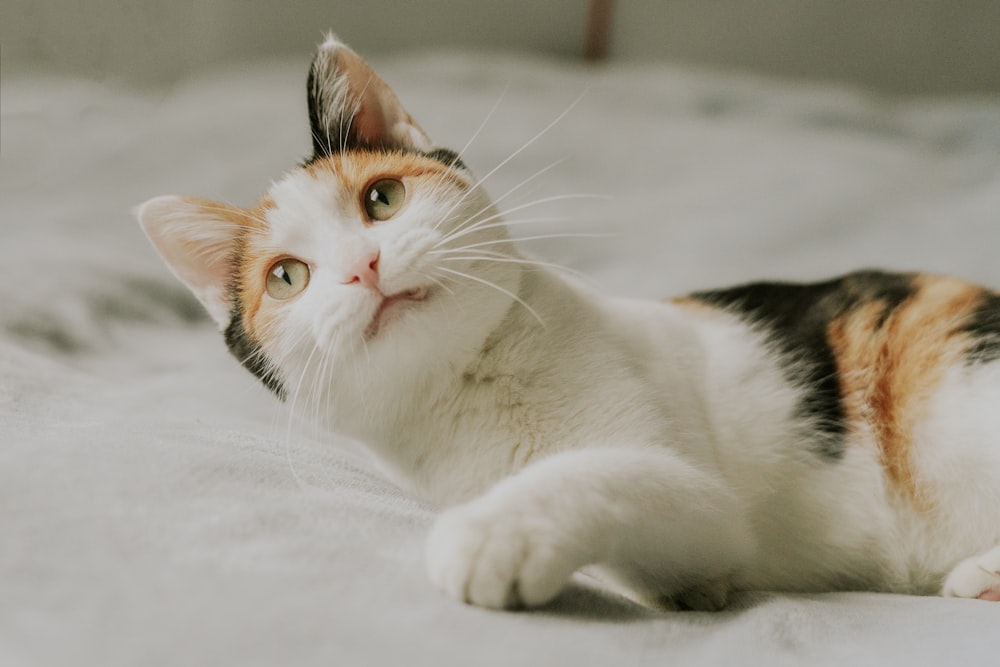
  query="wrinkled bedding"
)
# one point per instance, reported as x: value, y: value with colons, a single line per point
x: 158, y: 507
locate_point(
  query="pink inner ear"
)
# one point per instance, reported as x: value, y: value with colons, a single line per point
x: 379, y: 113
x: 195, y: 238
x: 371, y: 123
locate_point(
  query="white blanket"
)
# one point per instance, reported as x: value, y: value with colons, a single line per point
x: 158, y: 507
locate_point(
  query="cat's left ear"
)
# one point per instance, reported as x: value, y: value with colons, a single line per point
x: 197, y: 240
x: 351, y: 107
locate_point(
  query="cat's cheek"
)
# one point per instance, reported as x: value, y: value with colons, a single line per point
x: 269, y: 327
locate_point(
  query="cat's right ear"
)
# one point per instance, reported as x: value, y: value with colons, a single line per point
x: 196, y: 238
x: 351, y: 107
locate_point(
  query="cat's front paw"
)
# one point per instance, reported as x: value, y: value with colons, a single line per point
x: 491, y: 556
x: 976, y: 577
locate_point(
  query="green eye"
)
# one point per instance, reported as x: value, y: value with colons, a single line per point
x: 383, y: 198
x: 286, y: 278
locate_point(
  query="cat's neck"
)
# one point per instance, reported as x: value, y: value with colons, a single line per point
x: 445, y: 433
x: 389, y: 385
x: 419, y: 406
x: 451, y: 420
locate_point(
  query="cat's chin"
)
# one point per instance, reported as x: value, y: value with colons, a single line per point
x: 392, y: 308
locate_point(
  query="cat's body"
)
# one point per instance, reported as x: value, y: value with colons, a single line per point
x: 840, y: 435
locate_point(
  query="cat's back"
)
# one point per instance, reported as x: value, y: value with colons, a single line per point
x: 868, y: 350
x: 871, y: 310
x: 890, y: 391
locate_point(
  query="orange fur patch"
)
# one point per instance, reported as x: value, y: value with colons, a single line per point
x: 696, y: 306
x: 354, y: 170
x: 889, y: 363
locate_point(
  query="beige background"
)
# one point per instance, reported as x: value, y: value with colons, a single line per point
x: 899, y: 45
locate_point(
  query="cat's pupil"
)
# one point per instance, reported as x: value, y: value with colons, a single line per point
x: 377, y: 195
x: 280, y: 272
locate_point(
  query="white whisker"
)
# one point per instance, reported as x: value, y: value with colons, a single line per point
x: 291, y: 416
x: 496, y: 105
x: 504, y: 223
x: 499, y: 289
x: 536, y: 237
x: 462, y: 231
x: 513, y: 260
x: 517, y: 152
x: 495, y: 201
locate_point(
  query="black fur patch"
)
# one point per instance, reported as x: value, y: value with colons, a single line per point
x: 984, y: 327
x: 328, y: 140
x: 795, y: 318
x: 249, y: 354
x: 447, y: 157
x: 323, y: 143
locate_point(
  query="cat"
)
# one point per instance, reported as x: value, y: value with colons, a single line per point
x: 840, y: 435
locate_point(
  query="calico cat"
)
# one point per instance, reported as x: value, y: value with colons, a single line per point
x: 795, y: 437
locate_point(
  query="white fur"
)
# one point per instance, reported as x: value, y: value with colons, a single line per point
x: 658, y: 444
x: 975, y: 576
x: 559, y: 428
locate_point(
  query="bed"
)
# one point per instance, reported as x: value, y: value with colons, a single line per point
x: 158, y: 507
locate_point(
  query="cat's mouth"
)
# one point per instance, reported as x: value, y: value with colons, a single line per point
x: 392, y: 307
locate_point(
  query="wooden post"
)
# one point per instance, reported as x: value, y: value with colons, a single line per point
x: 595, y: 46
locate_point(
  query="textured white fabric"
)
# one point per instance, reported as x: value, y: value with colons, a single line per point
x: 156, y: 506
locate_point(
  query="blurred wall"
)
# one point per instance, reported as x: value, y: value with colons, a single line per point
x: 159, y: 39
x: 900, y: 45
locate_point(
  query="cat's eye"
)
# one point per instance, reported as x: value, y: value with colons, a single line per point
x: 383, y: 198
x: 286, y: 278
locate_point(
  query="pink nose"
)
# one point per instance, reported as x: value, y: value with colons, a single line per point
x: 364, y: 271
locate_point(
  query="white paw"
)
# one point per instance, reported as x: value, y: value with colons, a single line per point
x: 488, y: 555
x: 976, y: 577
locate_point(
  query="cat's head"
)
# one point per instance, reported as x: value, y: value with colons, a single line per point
x: 373, y: 259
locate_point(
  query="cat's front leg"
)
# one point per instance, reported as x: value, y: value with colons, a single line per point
x: 659, y: 523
